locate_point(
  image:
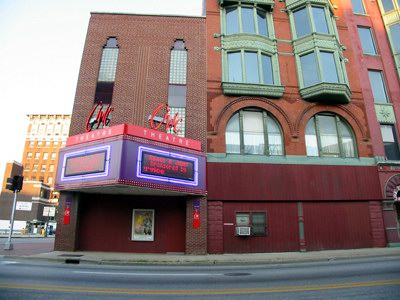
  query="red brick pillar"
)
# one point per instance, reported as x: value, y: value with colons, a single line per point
x: 196, y: 238
x: 66, y: 236
x: 215, y: 227
x: 377, y: 224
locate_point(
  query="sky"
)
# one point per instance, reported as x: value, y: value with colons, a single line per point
x: 41, y: 46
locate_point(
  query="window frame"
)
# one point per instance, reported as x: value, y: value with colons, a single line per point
x: 311, y: 20
x: 395, y: 143
x: 383, y: 83
x: 239, y: 20
x: 361, y: 3
x: 367, y: 43
x: 338, y: 121
x: 251, y: 222
x: 260, y: 70
x: 265, y: 116
x: 321, y: 74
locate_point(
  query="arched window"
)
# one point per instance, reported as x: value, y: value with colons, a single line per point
x: 249, y: 130
x: 329, y: 136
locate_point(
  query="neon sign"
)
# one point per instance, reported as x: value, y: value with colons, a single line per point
x: 102, y: 119
x: 166, y: 120
x: 89, y: 163
x: 167, y: 166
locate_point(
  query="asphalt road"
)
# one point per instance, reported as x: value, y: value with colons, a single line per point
x: 367, y: 278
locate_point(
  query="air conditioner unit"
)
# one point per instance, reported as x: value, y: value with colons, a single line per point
x: 243, y: 230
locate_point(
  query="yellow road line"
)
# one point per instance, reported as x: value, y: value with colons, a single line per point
x: 284, y: 289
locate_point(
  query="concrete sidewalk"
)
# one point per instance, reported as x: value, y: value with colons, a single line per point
x: 209, y: 259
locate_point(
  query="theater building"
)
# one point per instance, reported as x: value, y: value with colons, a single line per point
x: 302, y: 132
x: 132, y: 174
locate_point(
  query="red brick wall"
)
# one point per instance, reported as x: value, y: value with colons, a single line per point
x: 215, y: 227
x: 142, y: 75
x: 290, y: 110
x: 196, y: 238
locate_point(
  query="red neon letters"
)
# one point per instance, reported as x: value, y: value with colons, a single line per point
x: 167, y: 120
x: 102, y: 117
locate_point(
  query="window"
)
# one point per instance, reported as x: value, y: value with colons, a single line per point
x: 43, y: 168
x: 250, y: 67
x: 51, y: 168
x: 390, y: 142
x: 47, y: 144
x: 45, y: 155
x: 257, y: 221
x: 55, y: 144
x: 395, y: 37
x: 29, y: 155
x: 318, y: 68
x: 178, y: 85
x: 367, y: 42
x: 35, y: 168
x: 37, y: 155
x: 310, y: 19
x: 108, y: 69
x: 49, y: 180
x: 329, y: 136
x: 27, y: 167
x: 248, y: 131
x: 358, y: 7
x: 378, y: 86
x: 31, y: 144
x: 246, y: 19
x: 39, y: 144
x: 53, y: 155
x: 387, y: 5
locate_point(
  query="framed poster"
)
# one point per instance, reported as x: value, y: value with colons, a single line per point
x: 143, y: 225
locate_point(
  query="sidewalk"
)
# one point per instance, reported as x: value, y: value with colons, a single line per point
x: 209, y: 259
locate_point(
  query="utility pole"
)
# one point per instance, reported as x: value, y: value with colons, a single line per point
x: 14, y: 184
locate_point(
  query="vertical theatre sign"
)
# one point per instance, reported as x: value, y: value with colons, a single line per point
x: 99, y: 117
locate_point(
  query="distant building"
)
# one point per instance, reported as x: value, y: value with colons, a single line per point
x: 45, y: 136
x: 33, y: 206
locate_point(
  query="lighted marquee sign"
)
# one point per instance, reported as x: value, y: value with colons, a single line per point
x: 167, y: 166
x: 88, y: 163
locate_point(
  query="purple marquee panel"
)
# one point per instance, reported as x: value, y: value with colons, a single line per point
x: 129, y: 162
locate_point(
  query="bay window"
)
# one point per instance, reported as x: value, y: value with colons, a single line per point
x: 246, y: 19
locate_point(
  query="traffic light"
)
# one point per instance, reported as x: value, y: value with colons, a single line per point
x: 15, y: 183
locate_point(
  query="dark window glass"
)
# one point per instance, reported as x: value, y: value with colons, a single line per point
x: 395, y: 37
x: 387, y: 5
x: 104, y: 92
x: 301, y: 22
x: 232, y: 20
x: 367, y: 42
x: 258, y: 223
x: 235, y: 67
x: 329, y: 67
x: 267, y: 69
x: 309, y: 69
x: 248, y: 20
x: 390, y: 142
x: 358, y: 6
x: 262, y: 22
x: 251, y: 64
x: 378, y: 86
x: 177, y: 95
x: 320, y: 20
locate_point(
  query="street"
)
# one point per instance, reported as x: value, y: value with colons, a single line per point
x: 362, y: 278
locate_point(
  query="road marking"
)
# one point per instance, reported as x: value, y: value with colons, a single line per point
x: 147, y: 274
x: 8, y: 262
x: 240, y: 291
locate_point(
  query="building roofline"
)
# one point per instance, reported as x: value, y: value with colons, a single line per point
x: 146, y: 15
